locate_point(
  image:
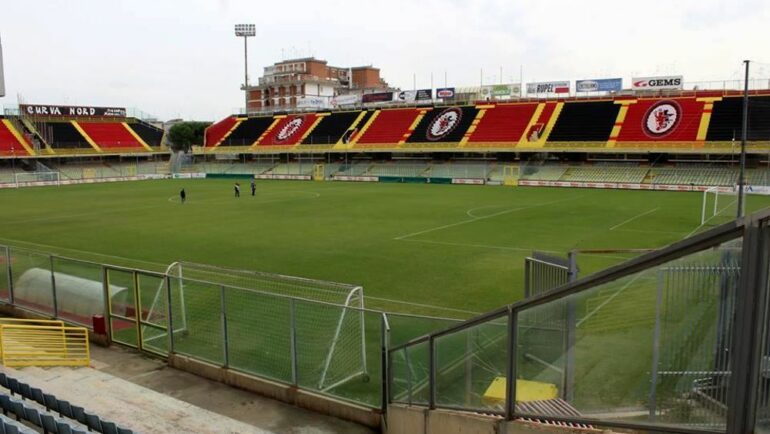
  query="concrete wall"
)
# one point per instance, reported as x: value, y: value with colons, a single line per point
x: 417, y: 420
x: 282, y: 392
x: 402, y: 419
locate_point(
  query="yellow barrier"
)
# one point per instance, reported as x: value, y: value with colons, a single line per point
x: 30, y: 321
x: 42, y: 345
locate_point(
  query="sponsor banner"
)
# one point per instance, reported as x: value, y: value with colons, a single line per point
x: 356, y: 178
x: 657, y: 83
x: 473, y: 181
x: 69, y: 111
x: 613, y: 185
x: 197, y: 175
x: 377, y: 97
x: 284, y: 177
x: 548, y: 87
x: 600, y: 85
x: 343, y: 100
x: 501, y: 90
x: 313, y: 102
x: 416, y: 95
x: 83, y: 181
x: 445, y: 92
x: 756, y: 189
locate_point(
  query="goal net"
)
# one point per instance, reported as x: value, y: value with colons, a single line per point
x: 271, y: 320
x: 24, y: 179
x: 720, y: 205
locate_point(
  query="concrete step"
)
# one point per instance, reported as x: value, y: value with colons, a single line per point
x: 126, y: 403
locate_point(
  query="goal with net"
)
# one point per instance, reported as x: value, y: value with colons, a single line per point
x: 24, y: 179
x: 282, y: 324
x: 720, y: 205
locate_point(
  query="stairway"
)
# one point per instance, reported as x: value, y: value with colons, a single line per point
x: 126, y: 403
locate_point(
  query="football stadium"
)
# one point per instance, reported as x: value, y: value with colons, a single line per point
x: 344, y: 254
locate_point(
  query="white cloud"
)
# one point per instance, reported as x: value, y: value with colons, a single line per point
x: 180, y: 58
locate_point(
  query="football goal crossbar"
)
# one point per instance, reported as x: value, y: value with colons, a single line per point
x: 330, y: 316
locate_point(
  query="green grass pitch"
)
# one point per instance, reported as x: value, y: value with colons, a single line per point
x: 459, y: 248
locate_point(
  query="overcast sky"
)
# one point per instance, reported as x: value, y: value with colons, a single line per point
x: 181, y: 59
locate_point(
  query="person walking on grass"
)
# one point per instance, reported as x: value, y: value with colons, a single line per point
x: 237, y: 190
x: 182, y: 195
x: 253, y: 188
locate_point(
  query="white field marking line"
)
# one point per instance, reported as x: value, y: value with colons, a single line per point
x: 719, y: 212
x: 475, y: 219
x: 522, y: 249
x: 48, y: 246
x: 470, y: 213
x: 390, y: 300
x: 609, y: 299
x: 651, y: 231
x: 634, y: 218
x: 480, y: 246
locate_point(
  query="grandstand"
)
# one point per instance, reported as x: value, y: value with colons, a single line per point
x: 597, y: 142
x: 45, y: 130
x: 45, y: 413
x: 705, y: 123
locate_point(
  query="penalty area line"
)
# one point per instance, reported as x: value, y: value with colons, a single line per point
x: 634, y: 218
x: 475, y: 219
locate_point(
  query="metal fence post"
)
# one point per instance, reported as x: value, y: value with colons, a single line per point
x: 570, y: 331
x: 408, y: 375
x: 9, y: 267
x: 107, y: 302
x: 53, y: 288
x: 170, y: 317
x: 432, y: 372
x: 471, y: 337
x: 750, y: 303
x: 656, y: 347
x: 223, y: 317
x: 137, y: 311
x: 293, y: 342
x: 510, y: 371
x: 527, y: 278
x: 384, y: 360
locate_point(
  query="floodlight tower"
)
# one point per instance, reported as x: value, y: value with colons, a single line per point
x: 2, y: 78
x: 245, y: 31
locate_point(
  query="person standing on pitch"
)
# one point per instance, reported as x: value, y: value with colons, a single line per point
x: 253, y: 188
x: 237, y: 190
x: 182, y: 195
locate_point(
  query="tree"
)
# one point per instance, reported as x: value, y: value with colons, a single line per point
x: 187, y: 134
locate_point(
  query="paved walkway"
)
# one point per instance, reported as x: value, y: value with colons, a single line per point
x: 144, y: 394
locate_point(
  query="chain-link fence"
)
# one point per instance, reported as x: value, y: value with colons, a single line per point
x: 313, y: 334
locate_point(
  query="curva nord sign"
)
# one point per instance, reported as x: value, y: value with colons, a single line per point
x: 64, y: 110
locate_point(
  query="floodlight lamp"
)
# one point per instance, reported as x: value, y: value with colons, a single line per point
x: 245, y: 30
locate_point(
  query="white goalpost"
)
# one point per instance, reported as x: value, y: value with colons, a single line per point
x: 719, y: 205
x: 322, y: 322
x: 26, y: 179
